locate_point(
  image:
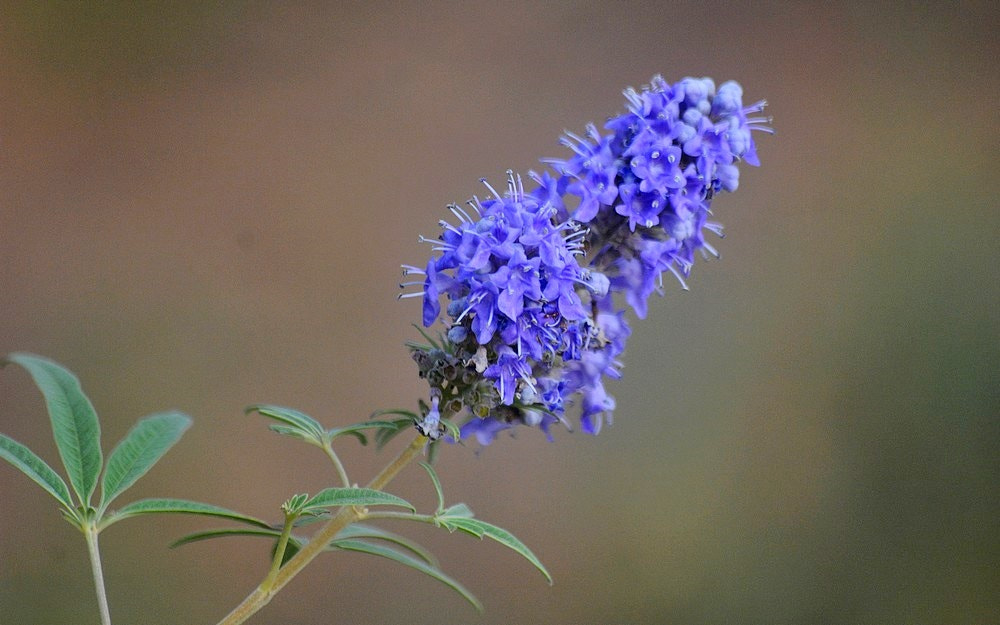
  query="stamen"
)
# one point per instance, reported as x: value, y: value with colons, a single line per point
x: 488, y: 186
x: 457, y: 211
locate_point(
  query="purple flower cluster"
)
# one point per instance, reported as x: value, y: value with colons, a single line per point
x: 534, y: 280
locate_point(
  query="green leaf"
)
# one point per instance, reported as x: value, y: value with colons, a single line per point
x: 360, y: 530
x: 293, y: 507
x: 179, y: 506
x: 481, y: 528
x: 293, y: 432
x: 457, y: 510
x: 353, y: 431
x: 426, y: 336
x: 310, y: 428
x: 437, y: 485
x: 223, y: 533
x: 141, y: 448
x: 357, y: 429
x: 407, y: 560
x: 393, y: 427
x: 354, y: 497
x: 74, y: 422
x: 394, y: 423
x: 35, y: 468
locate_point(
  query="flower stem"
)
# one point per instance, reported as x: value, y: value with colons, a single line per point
x: 90, y: 532
x: 262, y: 595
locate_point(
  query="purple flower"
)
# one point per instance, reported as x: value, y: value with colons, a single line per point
x: 537, y: 280
x: 517, y: 280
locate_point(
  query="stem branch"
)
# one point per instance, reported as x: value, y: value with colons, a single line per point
x: 262, y: 595
x: 279, y: 551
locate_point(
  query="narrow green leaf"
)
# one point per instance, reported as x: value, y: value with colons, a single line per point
x: 457, y: 510
x: 35, y: 468
x: 224, y: 533
x: 360, y: 530
x: 482, y: 528
x: 294, y: 432
x: 437, y: 485
x: 291, y: 547
x: 393, y: 427
x: 354, y: 497
x: 426, y: 336
x: 409, y: 414
x: 453, y: 430
x: 413, y: 563
x: 357, y: 429
x: 179, y: 506
x: 74, y: 422
x: 290, y: 417
x: 356, y: 433
x: 141, y: 448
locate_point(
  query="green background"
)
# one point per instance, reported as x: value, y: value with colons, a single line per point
x: 203, y: 208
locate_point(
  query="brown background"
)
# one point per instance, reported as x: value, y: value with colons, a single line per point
x: 207, y: 207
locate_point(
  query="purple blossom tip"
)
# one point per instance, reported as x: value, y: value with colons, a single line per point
x: 537, y: 280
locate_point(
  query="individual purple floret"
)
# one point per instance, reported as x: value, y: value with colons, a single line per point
x: 536, y: 280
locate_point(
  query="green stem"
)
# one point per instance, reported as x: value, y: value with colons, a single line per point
x: 90, y: 532
x: 279, y: 551
x: 328, y: 448
x: 263, y: 594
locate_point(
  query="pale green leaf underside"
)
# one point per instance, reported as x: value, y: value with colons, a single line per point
x: 360, y: 530
x: 407, y: 560
x: 179, y: 506
x: 223, y: 533
x: 74, y: 421
x: 290, y: 417
x: 35, y: 468
x: 354, y: 497
x: 358, y: 429
x: 294, y: 432
x: 141, y: 448
x: 437, y: 484
x: 481, y: 528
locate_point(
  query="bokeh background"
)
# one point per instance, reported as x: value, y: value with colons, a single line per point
x: 205, y: 206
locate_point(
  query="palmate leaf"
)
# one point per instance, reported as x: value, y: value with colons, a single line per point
x: 35, y: 468
x: 310, y: 428
x: 141, y: 448
x: 74, y: 421
x: 353, y: 497
x: 407, y: 560
x: 481, y: 528
x: 179, y: 506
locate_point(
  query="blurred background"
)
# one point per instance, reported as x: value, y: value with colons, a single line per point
x: 205, y: 206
